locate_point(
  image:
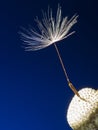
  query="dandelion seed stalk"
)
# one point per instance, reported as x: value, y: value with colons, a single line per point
x: 66, y: 75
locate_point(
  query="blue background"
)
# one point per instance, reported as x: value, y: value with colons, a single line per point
x: 33, y: 90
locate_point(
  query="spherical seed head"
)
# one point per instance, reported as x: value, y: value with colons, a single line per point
x: 83, y: 114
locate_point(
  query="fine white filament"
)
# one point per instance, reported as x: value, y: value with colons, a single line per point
x: 50, y: 30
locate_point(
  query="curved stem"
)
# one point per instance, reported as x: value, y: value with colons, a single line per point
x: 66, y: 75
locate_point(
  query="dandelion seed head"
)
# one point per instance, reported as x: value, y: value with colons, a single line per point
x: 50, y: 30
x: 83, y: 114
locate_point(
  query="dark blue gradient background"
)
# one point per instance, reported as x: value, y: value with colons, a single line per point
x: 33, y: 90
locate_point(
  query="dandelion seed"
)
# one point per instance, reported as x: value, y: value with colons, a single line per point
x: 50, y: 30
